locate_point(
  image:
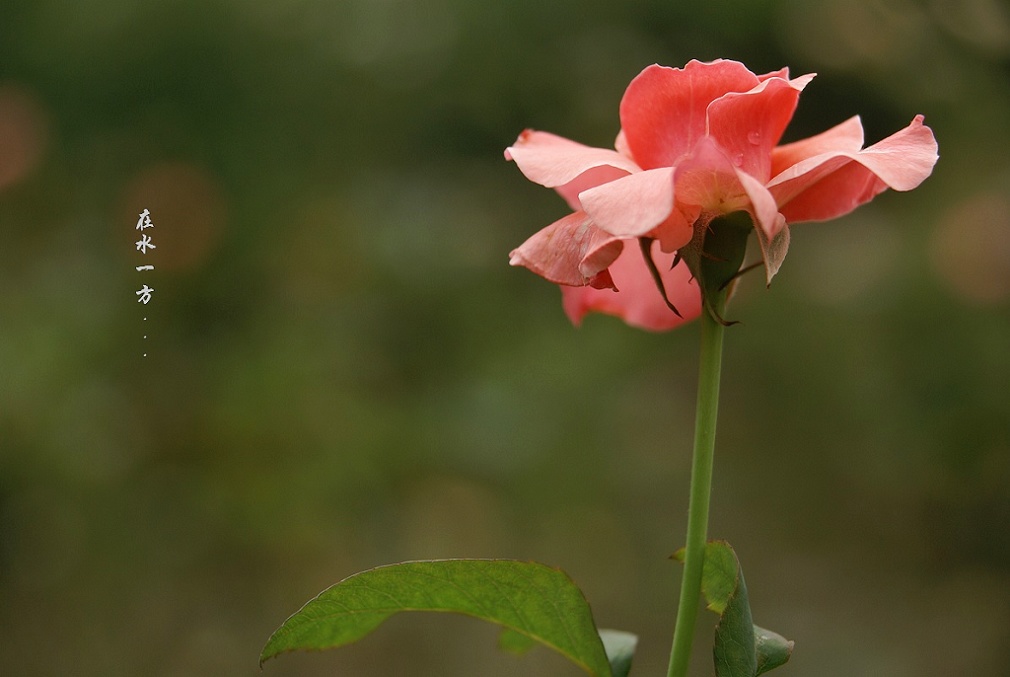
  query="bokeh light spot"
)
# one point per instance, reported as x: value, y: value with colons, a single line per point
x: 970, y: 248
x: 24, y: 131
x: 188, y: 209
x: 983, y: 23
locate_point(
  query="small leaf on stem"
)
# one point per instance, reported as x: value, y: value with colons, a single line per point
x: 620, y: 647
x: 773, y: 649
x: 742, y: 649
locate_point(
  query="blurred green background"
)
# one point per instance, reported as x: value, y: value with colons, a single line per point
x: 342, y: 370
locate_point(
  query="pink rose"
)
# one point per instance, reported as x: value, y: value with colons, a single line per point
x: 695, y: 144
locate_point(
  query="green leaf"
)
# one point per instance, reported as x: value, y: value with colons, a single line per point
x: 531, y: 599
x: 515, y: 642
x: 719, y: 577
x: 735, y: 648
x: 742, y: 649
x: 620, y: 648
x: 773, y: 649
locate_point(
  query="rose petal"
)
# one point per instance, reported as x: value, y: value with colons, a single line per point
x: 621, y: 144
x: 678, y: 229
x: 639, y: 301
x: 846, y: 137
x: 834, y: 183
x: 904, y: 159
x: 707, y: 178
x: 554, y: 161
x: 763, y: 206
x: 632, y: 205
x: 839, y: 192
x: 588, y: 179
x: 748, y: 125
x: 663, y: 109
x: 570, y: 251
x: 780, y: 73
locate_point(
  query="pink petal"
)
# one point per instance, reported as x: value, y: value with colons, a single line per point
x: 846, y: 137
x: 663, y: 109
x: 843, y: 189
x: 678, y: 229
x: 589, y: 179
x: 904, y: 159
x: 570, y: 251
x: 780, y: 73
x: 763, y: 207
x: 748, y: 125
x: 710, y: 180
x: 639, y: 301
x: 632, y: 205
x: 621, y: 144
x: 707, y: 178
x: 554, y: 161
x: 834, y: 183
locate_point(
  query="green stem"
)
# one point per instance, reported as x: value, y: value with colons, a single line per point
x: 701, y: 485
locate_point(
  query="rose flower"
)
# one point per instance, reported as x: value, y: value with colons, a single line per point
x: 696, y: 144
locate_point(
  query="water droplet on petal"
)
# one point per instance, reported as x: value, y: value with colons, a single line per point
x: 754, y: 137
x: 738, y: 159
